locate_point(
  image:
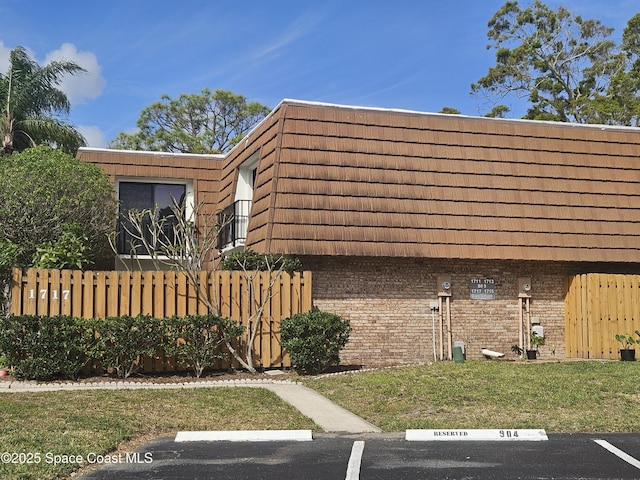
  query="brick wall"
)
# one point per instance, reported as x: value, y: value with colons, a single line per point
x: 387, y: 302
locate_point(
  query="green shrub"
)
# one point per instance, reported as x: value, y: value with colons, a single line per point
x: 43, y: 348
x: 314, y: 340
x: 121, y: 342
x: 42, y: 190
x: 196, y: 340
x: 9, y: 254
x: 252, y: 261
x: 68, y: 251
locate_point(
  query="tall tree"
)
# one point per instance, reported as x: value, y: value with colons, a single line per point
x: 32, y: 107
x: 208, y: 122
x: 558, y: 61
x: 620, y: 103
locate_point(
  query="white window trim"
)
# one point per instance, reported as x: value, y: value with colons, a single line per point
x: 189, y: 202
x: 245, y: 186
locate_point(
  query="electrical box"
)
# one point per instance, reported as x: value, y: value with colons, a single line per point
x: 538, y: 330
x: 443, y: 285
x: 434, y: 305
x: 524, y: 287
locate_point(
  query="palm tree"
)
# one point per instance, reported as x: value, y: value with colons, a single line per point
x: 32, y: 107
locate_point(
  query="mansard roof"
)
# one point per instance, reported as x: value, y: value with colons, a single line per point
x: 342, y: 180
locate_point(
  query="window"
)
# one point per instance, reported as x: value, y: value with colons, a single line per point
x: 234, y: 219
x: 136, y: 195
x: 247, y: 178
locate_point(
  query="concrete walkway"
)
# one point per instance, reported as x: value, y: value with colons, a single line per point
x: 326, y: 414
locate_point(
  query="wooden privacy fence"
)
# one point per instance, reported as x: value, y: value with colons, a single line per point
x: 597, y: 307
x: 163, y: 294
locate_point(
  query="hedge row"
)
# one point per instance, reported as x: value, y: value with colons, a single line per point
x: 44, y: 348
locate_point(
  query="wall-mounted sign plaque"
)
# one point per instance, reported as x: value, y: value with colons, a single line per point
x: 482, y: 289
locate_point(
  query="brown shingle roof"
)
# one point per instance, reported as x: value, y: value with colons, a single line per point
x: 336, y: 180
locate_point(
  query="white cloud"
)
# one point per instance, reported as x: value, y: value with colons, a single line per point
x: 4, y: 57
x: 78, y: 88
x: 94, y: 136
x: 82, y: 86
x: 301, y: 27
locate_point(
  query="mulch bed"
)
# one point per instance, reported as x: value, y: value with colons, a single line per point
x: 172, y: 377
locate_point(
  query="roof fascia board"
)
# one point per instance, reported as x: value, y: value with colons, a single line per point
x: 152, y: 153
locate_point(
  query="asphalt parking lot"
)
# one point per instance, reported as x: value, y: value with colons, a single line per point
x: 383, y: 456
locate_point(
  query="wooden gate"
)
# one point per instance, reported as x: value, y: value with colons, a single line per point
x: 597, y: 307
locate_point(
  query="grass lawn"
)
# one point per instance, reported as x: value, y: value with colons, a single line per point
x: 99, y: 421
x: 559, y: 397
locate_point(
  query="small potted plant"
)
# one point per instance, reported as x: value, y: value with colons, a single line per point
x: 627, y: 354
x: 4, y: 368
x: 536, y: 341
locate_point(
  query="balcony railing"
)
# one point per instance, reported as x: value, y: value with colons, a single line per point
x: 234, y: 221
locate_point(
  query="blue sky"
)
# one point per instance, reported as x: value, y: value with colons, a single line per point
x: 411, y: 54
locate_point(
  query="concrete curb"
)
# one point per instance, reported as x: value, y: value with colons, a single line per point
x: 32, y: 386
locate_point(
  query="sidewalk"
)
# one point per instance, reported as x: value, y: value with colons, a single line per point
x: 330, y: 417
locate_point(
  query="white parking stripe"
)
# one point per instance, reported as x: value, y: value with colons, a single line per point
x: 353, y: 469
x: 245, y: 436
x: 619, y: 453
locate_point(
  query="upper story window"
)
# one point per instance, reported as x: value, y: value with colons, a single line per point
x: 158, y: 197
x: 247, y: 178
x: 234, y: 219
